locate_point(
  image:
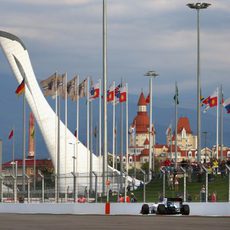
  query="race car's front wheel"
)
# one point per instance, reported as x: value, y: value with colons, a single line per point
x: 161, y: 209
x: 185, y: 209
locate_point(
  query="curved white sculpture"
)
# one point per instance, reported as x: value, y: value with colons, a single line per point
x: 19, y: 61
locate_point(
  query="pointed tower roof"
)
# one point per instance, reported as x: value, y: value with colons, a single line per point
x: 146, y: 141
x: 184, y: 123
x: 142, y: 101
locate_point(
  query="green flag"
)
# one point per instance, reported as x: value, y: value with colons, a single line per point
x: 176, y: 96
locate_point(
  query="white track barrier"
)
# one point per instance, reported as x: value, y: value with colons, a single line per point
x: 196, y: 209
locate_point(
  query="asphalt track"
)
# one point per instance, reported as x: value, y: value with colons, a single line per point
x: 82, y: 222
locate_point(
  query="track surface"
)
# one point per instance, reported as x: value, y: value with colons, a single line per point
x: 82, y: 222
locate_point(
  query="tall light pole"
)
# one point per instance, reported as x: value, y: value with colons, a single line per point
x: 151, y: 74
x: 105, y: 156
x: 198, y: 6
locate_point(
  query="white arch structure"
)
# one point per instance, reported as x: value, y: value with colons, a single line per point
x: 18, y: 58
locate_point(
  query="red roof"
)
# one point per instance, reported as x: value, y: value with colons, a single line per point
x: 144, y: 152
x: 142, y: 100
x: 146, y: 141
x: 183, y: 122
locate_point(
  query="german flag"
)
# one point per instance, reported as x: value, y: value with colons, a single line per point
x: 21, y: 88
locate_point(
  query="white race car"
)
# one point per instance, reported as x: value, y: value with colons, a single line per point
x: 168, y: 206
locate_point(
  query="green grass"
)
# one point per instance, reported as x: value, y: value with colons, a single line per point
x: 155, y: 188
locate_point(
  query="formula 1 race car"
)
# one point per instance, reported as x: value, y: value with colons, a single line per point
x: 168, y: 206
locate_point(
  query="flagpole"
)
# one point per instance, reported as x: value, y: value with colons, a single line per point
x: 91, y: 144
x: 66, y: 123
x: 221, y: 123
x: 176, y: 99
x: 35, y: 157
x: 217, y: 124
x: 121, y: 145
x: 113, y: 128
x: 24, y: 142
x: 87, y: 138
x: 99, y: 133
x: 127, y: 141
x: 56, y: 138
x: 77, y: 127
x: 13, y: 157
x: 105, y: 159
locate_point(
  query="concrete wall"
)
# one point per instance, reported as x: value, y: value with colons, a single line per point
x: 199, y: 209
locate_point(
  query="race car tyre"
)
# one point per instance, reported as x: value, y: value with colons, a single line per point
x: 161, y: 209
x: 145, y: 209
x: 185, y: 210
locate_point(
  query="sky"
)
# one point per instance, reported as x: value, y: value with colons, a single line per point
x: 160, y: 35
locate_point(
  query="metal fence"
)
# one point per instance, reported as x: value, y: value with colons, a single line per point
x: 193, y: 185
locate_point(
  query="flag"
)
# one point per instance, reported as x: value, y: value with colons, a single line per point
x: 132, y: 130
x: 75, y: 133
x: 176, y: 96
x: 82, y: 87
x: 117, y: 91
x: 72, y: 88
x: 52, y: 85
x: 11, y: 134
x: 147, y: 100
x: 169, y: 130
x: 201, y: 98
x: 32, y: 133
x: 94, y: 91
x: 110, y: 93
x: 211, y: 101
x: 21, y: 88
x: 123, y: 94
x: 226, y: 105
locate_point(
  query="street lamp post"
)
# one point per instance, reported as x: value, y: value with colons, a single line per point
x: 198, y: 6
x: 151, y: 75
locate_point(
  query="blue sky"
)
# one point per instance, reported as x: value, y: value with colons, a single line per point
x: 66, y: 36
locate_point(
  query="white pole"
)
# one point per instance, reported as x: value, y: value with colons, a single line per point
x: 221, y: 123
x: 99, y: 123
x: 114, y: 107
x: 151, y: 163
x: 127, y: 141
x: 176, y: 98
x: 87, y: 139
x: 13, y: 158
x: 217, y: 124
x: 66, y: 123
x: 77, y: 128
x: 99, y: 135
x: 105, y: 161
x: 56, y: 142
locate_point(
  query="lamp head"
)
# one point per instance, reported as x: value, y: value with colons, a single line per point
x: 198, y: 5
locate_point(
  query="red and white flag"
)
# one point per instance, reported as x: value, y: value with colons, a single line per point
x: 111, y: 93
x: 211, y: 101
x: 94, y: 91
x: 123, y: 94
x: 11, y: 134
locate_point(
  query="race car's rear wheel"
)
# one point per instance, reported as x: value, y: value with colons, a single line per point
x: 161, y: 209
x: 145, y: 209
x: 185, y: 209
